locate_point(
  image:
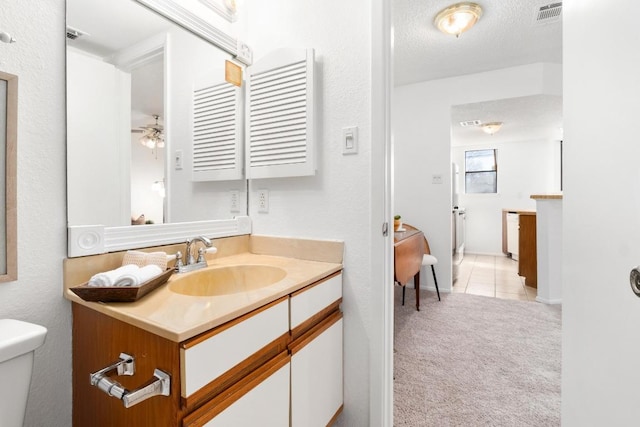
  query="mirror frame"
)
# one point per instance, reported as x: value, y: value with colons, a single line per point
x: 98, y: 239
x: 10, y: 183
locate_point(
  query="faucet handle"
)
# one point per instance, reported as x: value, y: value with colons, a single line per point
x: 200, y: 255
x: 179, y: 262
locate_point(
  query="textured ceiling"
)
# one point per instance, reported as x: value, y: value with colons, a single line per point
x: 528, y: 118
x: 114, y: 25
x: 111, y: 25
x: 505, y: 36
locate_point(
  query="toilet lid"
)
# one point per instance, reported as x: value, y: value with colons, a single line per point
x: 18, y: 338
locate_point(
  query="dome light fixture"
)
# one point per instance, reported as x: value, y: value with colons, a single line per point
x: 458, y: 18
x: 491, y: 128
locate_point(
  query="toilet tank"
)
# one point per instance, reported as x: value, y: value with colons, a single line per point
x: 18, y: 340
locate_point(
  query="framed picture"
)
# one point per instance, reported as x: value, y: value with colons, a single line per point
x: 8, y: 143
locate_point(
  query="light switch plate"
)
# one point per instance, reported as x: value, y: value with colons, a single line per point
x: 350, y: 140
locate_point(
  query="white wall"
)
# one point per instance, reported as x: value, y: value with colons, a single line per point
x: 524, y: 168
x: 422, y: 144
x: 189, y: 59
x: 601, y: 230
x: 38, y: 59
x: 336, y: 202
x: 98, y: 168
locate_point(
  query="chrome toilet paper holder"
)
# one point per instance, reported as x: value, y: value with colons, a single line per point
x: 159, y: 385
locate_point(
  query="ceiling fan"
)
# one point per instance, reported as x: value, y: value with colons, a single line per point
x: 152, y: 134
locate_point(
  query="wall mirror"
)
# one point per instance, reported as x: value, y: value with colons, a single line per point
x: 130, y: 80
x: 8, y: 142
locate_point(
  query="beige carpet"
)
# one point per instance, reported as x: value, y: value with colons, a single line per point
x: 476, y: 361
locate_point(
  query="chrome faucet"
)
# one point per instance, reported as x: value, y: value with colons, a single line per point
x: 191, y: 263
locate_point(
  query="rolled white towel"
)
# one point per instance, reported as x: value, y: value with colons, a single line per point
x: 109, y: 278
x: 139, y: 276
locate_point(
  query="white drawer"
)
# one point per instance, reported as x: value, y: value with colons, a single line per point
x: 314, y: 298
x: 205, y: 361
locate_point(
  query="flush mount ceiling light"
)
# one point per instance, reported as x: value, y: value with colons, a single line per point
x: 491, y: 128
x: 458, y: 18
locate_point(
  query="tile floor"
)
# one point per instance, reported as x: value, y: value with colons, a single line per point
x: 493, y: 276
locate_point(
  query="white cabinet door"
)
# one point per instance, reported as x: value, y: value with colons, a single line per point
x: 316, y: 375
x: 265, y: 405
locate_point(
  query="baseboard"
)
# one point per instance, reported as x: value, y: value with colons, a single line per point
x: 549, y: 301
x: 433, y: 289
x: 500, y: 254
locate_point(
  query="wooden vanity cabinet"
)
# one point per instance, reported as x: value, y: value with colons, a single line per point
x: 527, y: 248
x: 98, y: 340
x: 527, y: 245
x: 278, y: 365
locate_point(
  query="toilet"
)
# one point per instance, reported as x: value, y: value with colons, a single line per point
x: 18, y: 340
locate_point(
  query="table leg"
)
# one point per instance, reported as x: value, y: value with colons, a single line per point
x: 416, y: 283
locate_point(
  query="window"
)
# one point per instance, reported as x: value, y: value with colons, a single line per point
x: 480, y: 172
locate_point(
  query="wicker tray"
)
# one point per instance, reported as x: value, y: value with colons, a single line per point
x: 120, y: 293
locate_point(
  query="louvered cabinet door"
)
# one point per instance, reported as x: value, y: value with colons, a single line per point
x: 280, y: 115
x: 218, y: 143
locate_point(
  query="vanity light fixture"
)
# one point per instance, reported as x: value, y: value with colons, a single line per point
x: 458, y: 18
x: 153, y: 135
x: 491, y: 128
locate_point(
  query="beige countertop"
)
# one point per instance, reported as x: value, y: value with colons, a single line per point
x: 546, y: 196
x: 179, y: 317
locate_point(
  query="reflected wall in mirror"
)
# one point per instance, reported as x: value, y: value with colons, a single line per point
x: 8, y: 208
x: 125, y: 66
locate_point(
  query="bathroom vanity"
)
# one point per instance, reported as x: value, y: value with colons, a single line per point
x: 269, y: 356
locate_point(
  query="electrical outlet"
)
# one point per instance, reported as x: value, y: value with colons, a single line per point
x: 436, y: 179
x: 234, y: 195
x: 263, y: 201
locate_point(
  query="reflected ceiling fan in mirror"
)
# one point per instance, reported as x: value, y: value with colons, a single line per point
x: 152, y: 134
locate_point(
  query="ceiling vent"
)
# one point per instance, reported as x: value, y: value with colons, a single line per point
x: 470, y: 123
x: 548, y: 13
x: 74, y: 33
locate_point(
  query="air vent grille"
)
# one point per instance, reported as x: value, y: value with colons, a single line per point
x: 471, y: 123
x: 74, y: 33
x: 548, y: 13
